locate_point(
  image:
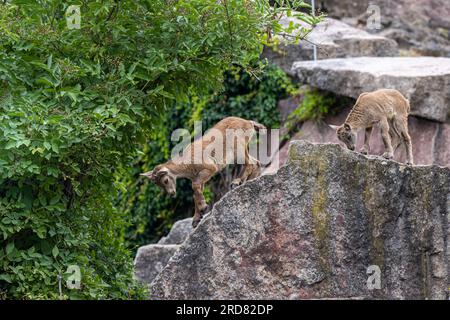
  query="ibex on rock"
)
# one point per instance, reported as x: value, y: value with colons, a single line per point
x: 225, y: 143
x: 387, y: 108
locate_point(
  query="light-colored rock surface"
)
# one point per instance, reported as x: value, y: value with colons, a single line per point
x: 335, y: 39
x: 313, y: 230
x: 179, y: 232
x: 151, y: 259
x: 422, y: 26
x: 425, y: 81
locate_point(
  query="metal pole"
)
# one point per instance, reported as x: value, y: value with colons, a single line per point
x: 60, y: 286
x: 313, y: 12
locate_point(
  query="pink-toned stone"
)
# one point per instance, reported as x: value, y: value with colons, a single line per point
x: 442, y: 145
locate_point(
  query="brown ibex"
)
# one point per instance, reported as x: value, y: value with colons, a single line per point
x: 387, y: 108
x: 227, y: 142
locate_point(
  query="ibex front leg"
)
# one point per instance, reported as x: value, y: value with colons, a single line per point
x: 366, y: 148
x: 201, y: 207
x: 200, y: 203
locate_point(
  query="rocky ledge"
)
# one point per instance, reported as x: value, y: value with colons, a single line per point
x: 322, y: 227
x: 334, y: 39
x: 425, y: 81
x: 152, y: 258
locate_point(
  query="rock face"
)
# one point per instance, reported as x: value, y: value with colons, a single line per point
x: 419, y: 25
x: 179, y: 232
x: 335, y: 39
x: 152, y: 258
x: 317, y: 229
x: 425, y: 81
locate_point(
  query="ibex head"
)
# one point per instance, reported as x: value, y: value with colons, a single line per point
x: 163, y: 178
x: 346, y: 135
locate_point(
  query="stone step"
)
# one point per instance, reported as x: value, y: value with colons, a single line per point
x: 335, y: 39
x: 179, y: 232
x: 425, y: 81
x: 152, y: 258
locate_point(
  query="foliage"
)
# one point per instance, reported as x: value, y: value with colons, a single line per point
x: 314, y: 105
x: 74, y: 106
x: 244, y: 96
x: 247, y: 97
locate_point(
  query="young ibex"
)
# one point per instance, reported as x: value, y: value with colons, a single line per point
x: 386, y: 107
x: 223, y: 144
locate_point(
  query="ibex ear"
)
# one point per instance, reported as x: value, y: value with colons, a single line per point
x: 162, y: 173
x: 347, y: 127
x: 332, y: 126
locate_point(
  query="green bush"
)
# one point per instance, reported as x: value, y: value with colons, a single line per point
x: 314, y: 105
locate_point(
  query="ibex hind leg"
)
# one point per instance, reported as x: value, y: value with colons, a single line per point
x: 249, y: 168
x: 401, y: 126
x: 396, y: 139
x: 389, y: 151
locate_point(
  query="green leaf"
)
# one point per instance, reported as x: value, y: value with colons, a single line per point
x: 10, y: 248
x: 55, y: 199
x: 6, y: 277
x: 10, y: 145
x: 55, y: 146
x: 55, y: 251
x: 47, y: 145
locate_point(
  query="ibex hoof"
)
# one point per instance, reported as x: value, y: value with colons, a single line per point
x: 388, y: 155
x: 204, y: 210
x: 195, y: 223
x: 235, y: 184
x: 364, y: 151
x: 409, y: 163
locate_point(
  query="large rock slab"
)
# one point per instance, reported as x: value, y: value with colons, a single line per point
x: 421, y: 26
x: 179, y: 232
x: 425, y: 81
x: 316, y: 228
x: 334, y: 39
x: 151, y: 259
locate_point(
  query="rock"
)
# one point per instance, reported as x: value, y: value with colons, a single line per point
x: 179, y: 232
x: 286, y: 106
x: 335, y: 39
x: 151, y: 259
x: 319, y: 228
x: 425, y: 81
x: 421, y: 26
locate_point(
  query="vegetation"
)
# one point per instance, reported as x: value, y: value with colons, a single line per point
x: 314, y: 105
x: 76, y: 106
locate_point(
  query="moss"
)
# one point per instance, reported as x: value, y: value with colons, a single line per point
x: 424, y: 266
x: 320, y: 215
x: 376, y: 220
